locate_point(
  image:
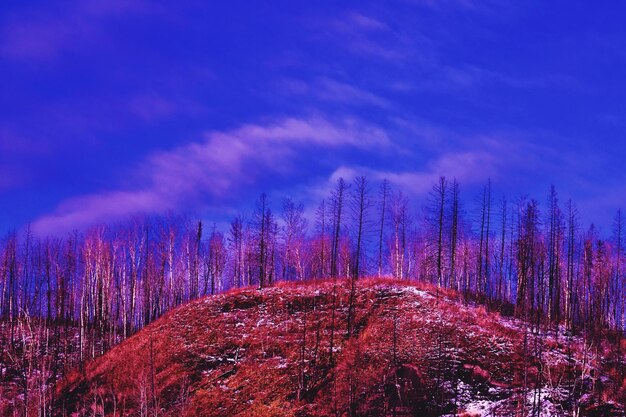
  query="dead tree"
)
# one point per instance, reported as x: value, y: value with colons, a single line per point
x: 263, y: 217
x: 360, y: 210
x: 398, y: 208
x: 293, y: 234
x: 438, y: 196
x: 454, y: 234
x: 483, y: 276
x: 236, y: 244
x: 323, y: 247
x: 337, y: 198
x: 383, y: 195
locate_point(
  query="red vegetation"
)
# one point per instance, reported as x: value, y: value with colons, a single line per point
x: 286, y: 351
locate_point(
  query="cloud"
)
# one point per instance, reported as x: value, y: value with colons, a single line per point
x: 481, y: 6
x: 40, y: 36
x: 368, y: 23
x: 40, y: 40
x: 152, y: 107
x: 211, y: 169
x: 369, y: 36
x: 510, y: 160
x: 470, y: 167
x: 327, y: 89
x: 79, y: 212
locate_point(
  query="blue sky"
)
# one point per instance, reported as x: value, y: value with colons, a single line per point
x: 109, y: 108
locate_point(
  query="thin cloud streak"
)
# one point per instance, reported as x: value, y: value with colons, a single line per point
x: 31, y: 36
x: 330, y: 90
x: 213, y: 168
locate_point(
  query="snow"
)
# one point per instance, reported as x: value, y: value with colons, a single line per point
x: 479, y: 408
x: 412, y: 291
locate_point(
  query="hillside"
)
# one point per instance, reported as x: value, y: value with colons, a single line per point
x: 285, y: 351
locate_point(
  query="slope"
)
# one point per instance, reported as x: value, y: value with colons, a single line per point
x: 286, y: 351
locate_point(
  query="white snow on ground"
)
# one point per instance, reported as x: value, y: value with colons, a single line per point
x: 480, y: 407
x: 412, y: 290
x: 488, y: 407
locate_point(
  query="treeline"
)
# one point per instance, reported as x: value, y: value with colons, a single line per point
x: 111, y: 281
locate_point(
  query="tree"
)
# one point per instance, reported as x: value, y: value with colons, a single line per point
x: 616, y: 284
x: 527, y: 256
x: 293, y: 235
x: 263, y: 216
x: 215, y: 261
x: 454, y: 233
x: 437, y: 198
x: 554, y: 244
x: 195, y: 263
x: 398, y: 213
x: 236, y: 242
x: 382, y: 207
x: 337, y: 198
x: 501, y: 263
x: 617, y: 288
x: 360, y: 209
x: 570, y: 299
x: 322, y: 246
x: 483, y: 249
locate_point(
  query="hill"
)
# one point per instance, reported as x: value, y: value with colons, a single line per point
x: 384, y: 349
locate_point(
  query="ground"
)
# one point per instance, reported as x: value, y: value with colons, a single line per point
x: 287, y: 351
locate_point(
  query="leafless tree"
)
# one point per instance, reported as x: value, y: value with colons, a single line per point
x: 293, y: 234
x: 383, y: 195
x: 337, y: 199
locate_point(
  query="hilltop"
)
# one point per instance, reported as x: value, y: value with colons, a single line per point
x: 287, y: 351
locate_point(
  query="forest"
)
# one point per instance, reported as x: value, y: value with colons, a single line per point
x: 67, y: 300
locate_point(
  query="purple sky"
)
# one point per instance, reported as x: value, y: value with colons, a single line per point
x: 115, y: 107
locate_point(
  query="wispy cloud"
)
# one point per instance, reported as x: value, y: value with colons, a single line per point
x: 370, y: 36
x: 471, y: 167
x: 151, y: 106
x: 212, y: 169
x: 511, y: 160
x: 368, y: 23
x: 330, y: 90
x: 480, y: 6
x: 38, y: 36
x: 39, y: 40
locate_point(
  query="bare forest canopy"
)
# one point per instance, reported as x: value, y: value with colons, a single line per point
x: 115, y: 280
x: 118, y: 279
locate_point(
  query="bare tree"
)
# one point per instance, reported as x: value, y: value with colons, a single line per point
x: 236, y: 242
x: 554, y: 243
x: 323, y: 246
x: 454, y: 234
x: 502, y: 254
x: 436, y: 212
x: 337, y: 199
x: 360, y: 210
x: 570, y: 299
x: 383, y: 195
x: 293, y: 235
x: 483, y: 249
x: 215, y: 261
x: 398, y: 213
x: 262, y: 224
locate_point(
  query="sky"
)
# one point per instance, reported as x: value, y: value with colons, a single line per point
x: 116, y: 107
